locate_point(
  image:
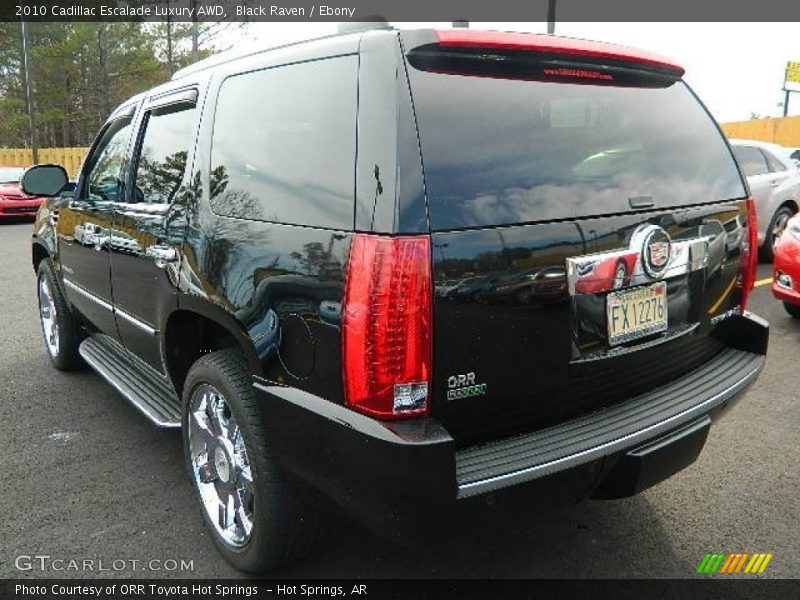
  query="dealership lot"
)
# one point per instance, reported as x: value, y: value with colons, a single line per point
x: 87, y: 478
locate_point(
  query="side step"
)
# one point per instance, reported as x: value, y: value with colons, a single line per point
x: 137, y: 381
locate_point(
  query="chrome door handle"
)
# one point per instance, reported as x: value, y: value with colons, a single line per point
x: 162, y: 253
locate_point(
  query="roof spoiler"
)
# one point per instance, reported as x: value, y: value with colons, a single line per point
x: 552, y: 45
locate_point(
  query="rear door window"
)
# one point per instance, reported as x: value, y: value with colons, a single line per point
x: 775, y: 165
x: 284, y: 144
x: 504, y: 151
x: 163, y: 154
x: 752, y: 160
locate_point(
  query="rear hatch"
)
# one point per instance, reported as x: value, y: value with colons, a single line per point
x: 585, y: 214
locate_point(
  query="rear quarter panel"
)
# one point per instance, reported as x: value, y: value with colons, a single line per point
x: 282, y: 285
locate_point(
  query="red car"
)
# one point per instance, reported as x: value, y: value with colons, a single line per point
x: 13, y: 202
x: 786, y: 268
x: 607, y: 274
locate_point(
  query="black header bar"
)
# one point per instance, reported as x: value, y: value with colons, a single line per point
x: 266, y: 589
x: 400, y: 10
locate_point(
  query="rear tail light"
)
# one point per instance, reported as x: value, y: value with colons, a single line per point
x: 386, y: 328
x: 749, y: 256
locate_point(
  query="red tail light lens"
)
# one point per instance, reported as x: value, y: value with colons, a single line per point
x: 749, y: 256
x: 386, y: 326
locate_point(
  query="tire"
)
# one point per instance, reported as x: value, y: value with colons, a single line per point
x: 792, y: 309
x: 776, y: 226
x: 284, y: 522
x: 60, y: 331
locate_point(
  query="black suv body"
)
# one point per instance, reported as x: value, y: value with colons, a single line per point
x: 398, y: 270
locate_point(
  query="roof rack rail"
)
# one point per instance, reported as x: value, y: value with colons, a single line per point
x: 364, y: 24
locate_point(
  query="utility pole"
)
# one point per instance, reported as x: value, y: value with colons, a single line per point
x: 170, y: 67
x: 26, y: 55
x: 791, y: 76
x: 551, y: 17
x: 195, y: 32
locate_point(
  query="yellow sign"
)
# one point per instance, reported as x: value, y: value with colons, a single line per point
x: 793, y: 72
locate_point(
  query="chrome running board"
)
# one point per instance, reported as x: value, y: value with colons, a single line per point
x: 138, y: 382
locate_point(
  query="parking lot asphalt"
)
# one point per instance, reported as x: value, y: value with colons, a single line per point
x: 87, y: 478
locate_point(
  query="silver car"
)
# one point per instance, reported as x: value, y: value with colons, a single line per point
x: 774, y: 181
x: 794, y: 155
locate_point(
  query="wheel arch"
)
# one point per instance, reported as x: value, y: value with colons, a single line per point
x: 39, y: 252
x: 197, y: 328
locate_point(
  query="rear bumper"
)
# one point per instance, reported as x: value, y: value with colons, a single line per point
x: 407, y: 471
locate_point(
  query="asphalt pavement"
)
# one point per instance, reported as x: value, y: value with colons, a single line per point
x: 85, y: 477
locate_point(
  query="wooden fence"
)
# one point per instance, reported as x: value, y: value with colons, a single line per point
x: 69, y: 158
x: 779, y: 130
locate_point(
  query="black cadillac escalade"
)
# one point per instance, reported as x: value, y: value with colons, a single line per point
x: 394, y: 271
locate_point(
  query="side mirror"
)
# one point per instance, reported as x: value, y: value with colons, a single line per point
x: 44, y: 180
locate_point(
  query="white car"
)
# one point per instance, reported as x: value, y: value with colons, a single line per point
x: 89, y: 234
x: 794, y: 155
x: 774, y: 181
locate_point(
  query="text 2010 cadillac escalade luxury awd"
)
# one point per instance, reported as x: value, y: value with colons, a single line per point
x: 396, y: 270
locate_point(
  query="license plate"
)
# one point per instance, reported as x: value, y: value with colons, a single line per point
x: 636, y: 313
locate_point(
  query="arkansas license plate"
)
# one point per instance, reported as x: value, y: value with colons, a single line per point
x: 636, y: 313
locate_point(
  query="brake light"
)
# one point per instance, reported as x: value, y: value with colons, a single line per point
x: 387, y: 326
x: 501, y: 40
x: 749, y: 257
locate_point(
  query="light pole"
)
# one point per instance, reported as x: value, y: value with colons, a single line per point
x: 26, y: 55
x: 551, y: 16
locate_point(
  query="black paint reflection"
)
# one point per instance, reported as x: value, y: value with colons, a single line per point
x: 562, y: 150
x: 504, y: 310
x: 282, y: 283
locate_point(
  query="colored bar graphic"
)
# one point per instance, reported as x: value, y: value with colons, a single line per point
x: 732, y: 558
x: 764, y: 564
x: 702, y: 566
x: 731, y: 564
x: 718, y: 564
x: 740, y: 564
x: 755, y: 562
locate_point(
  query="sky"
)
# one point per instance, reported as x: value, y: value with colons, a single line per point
x: 735, y: 68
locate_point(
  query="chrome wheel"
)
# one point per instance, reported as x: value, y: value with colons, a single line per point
x: 778, y: 226
x: 48, y: 317
x: 220, y: 466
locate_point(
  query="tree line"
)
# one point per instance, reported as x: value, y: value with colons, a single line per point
x: 79, y: 72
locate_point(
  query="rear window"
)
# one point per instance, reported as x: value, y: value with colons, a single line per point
x: 504, y: 151
x: 284, y: 144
